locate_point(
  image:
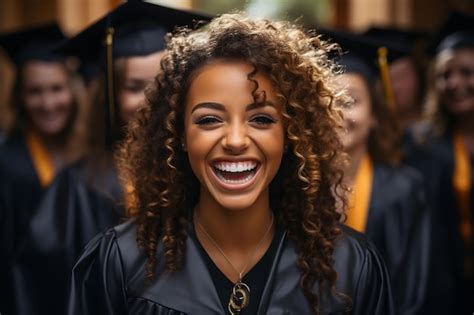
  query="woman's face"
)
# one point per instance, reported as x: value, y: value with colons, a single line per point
x: 454, y: 73
x: 234, y: 147
x: 47, y: 96
x: 137, y: 73
x: 405, y: 84
x: 358, y: 118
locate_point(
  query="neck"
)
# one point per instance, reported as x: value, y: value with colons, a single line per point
x: 234, y: 230
x: 55, y: 146
x: 409, y: 118
x: 464, y: 124
x: 356, y: 155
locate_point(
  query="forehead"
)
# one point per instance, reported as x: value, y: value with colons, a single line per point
x: 142, y: 67
x: 350, y: 81
x: 453, y: 57
x: 40, y: 71
x: 226, y: 80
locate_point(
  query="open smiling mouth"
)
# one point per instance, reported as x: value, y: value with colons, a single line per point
x: 235, y: 173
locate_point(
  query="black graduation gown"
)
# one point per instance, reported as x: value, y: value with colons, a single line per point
x: 20, y: 192
x: 398, y: 224
x: 448, y: 293
x: 20, y: 189
x: 109, y: 279
x: 69, y: 215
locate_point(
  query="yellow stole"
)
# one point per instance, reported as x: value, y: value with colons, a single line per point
x: 42, y: 161
x: 462, y: 189
x: 359, y: 199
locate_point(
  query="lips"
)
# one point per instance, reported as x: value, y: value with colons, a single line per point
x: 235, y: 174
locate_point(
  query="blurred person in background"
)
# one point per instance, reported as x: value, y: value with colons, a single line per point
x: 407, y: 72
x: 45, y: 135
x: 137, y: 44
x: 442, y: 148
x: 387, y: 200
x: 86, y: 198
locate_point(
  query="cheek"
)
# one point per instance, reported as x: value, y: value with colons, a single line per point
x: 198, y: 145
x: 271, y: 143
x: 32, y: 102
x: 130, y: 102
x: 349, y: 116
x: 65, y: 99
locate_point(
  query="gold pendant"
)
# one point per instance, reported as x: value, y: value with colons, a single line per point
x: 239, y: 298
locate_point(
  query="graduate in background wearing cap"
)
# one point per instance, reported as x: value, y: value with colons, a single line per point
x: 129, y: 44
x: 407, y: 72
x: 387, y: 200
x: 46, y: 133
x: 443, y: 149
x: 85, y: 198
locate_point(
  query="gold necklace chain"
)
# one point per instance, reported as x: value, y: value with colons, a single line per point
x: 240, y: 296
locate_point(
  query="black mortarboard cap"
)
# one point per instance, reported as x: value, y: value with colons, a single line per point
x: 135, y: 28
x: 139, y: 29
x: 360, y: 53
x: 34, y: 43
x: 403, y: 40
x: 457, y: 31
x: 368, y: 57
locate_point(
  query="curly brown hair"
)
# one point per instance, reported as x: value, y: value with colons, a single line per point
x: 302, y: 193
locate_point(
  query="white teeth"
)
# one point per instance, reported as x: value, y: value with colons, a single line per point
x: 235, y: 167
x: 235, y: 182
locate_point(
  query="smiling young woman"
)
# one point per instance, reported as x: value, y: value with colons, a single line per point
x: 45, y: 135
x: 234, y: 159
x: 442, y: 147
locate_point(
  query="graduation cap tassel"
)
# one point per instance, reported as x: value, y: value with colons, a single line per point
x: 110, y: 116
x: 384, y: 75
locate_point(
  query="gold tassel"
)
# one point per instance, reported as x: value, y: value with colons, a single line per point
x: 110, y: 75
x: 384, y: 75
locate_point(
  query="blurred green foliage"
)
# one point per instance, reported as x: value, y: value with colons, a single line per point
x: 307, y: 12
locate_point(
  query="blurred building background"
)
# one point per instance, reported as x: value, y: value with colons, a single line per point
x: 74, y: 15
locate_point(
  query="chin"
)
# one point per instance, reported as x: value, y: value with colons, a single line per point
x: 236, y: 203
x: 51, y: 130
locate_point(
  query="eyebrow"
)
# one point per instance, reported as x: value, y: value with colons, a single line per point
x: 220, y: 107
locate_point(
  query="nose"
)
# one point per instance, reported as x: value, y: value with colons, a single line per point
x: 48, y: 100
x: 236, y: 138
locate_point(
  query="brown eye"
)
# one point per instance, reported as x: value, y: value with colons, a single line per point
x: 207, y: 120
x: 263, y: 120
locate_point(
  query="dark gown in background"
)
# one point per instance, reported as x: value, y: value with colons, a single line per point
x: 109, y: 279
x: 20, y: 192
x: 449, y: 292
x: 398, y: 225
x: 71, y: 212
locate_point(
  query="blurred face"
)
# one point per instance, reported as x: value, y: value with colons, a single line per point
x: 358, y: 118
x: 137, y: 73
x: 405, y: 83
x: 454, y: 72
x: 46, y: 96
x: 234, y: 147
